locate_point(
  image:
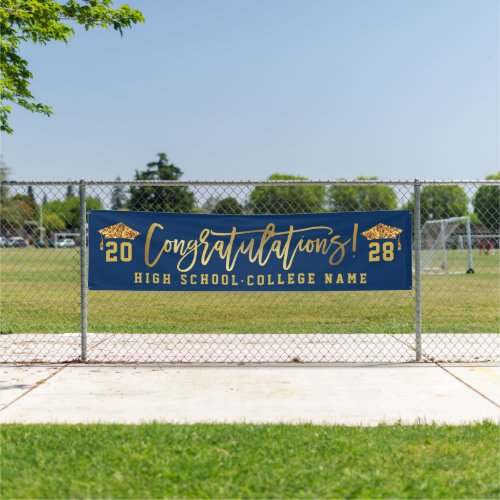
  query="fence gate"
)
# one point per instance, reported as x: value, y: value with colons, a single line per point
x: 48, y: 315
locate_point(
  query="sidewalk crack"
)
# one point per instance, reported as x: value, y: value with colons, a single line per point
x: 38, y: 384
x: 430, y: 360
x: 477, y: 391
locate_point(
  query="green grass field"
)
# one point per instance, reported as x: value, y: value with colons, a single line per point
x: 249, y: 461
x: 40, y: 293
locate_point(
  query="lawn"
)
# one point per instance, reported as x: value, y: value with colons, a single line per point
x: 40, y: 292
x: 249, y: 461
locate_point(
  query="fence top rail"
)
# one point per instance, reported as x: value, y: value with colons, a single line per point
x: 250, y: 183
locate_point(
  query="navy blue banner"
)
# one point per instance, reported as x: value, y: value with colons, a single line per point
x: 325, y: 251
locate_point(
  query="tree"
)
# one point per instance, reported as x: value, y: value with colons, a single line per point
x: 118, y: 197
x: 68, y: 210
x: 4, y: 174
x: 31, y: 195
x: 209, y: 204
x: 28, y: 201
x: 486, y: 203
x: 361, y: 197
x: 160, y: 198
x: 229, y: 206
x: 287, y: 199
x: 41, y: 22
x: 15, y: 213
x: 53, y: 222
x: 441, y: 202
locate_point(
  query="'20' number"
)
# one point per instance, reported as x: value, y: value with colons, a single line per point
x: 387, y: 251
x: 125, y: 251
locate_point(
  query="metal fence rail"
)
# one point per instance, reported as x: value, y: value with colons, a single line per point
x: 48, y: 315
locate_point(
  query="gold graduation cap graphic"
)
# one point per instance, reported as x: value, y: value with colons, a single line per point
x: 119, y: 230
x: 382, y: 232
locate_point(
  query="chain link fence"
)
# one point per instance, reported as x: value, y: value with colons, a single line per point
x: 451, y: 314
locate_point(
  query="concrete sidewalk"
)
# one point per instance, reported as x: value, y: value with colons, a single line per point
x: 335, y: 394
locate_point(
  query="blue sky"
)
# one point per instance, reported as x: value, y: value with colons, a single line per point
x: 237, y: 90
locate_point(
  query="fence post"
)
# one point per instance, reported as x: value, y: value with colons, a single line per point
x: 83, y: 269
x: 418, y: 284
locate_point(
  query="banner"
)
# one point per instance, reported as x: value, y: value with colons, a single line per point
x: 196, y: 252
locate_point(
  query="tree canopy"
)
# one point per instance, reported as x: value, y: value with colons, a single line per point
x: 360, y: 197
x: 287, y: 199
x: 41, y: 22
x: 4, y: 174
x: 27, y: 200
x: 441, y: 202
x: 118, y: 197
x: 15, y: 211
x: 67, y: 211
x: 228, y: 206
x: 486, y: 203
x: 160, y: 198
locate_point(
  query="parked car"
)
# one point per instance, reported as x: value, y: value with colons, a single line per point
x: 39, y: 244
x: 4, y: 242
x: 17, y: 242
x: 65, y: 243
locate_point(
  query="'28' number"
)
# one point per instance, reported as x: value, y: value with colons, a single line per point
x: 387, y: 251
x: 112, y: 253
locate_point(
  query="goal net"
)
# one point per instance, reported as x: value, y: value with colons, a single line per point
x: 446, y: 246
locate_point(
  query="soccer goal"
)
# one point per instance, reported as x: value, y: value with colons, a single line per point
x: 447, y: 246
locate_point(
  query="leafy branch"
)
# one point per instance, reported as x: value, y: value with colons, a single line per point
x: 39, y: 22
